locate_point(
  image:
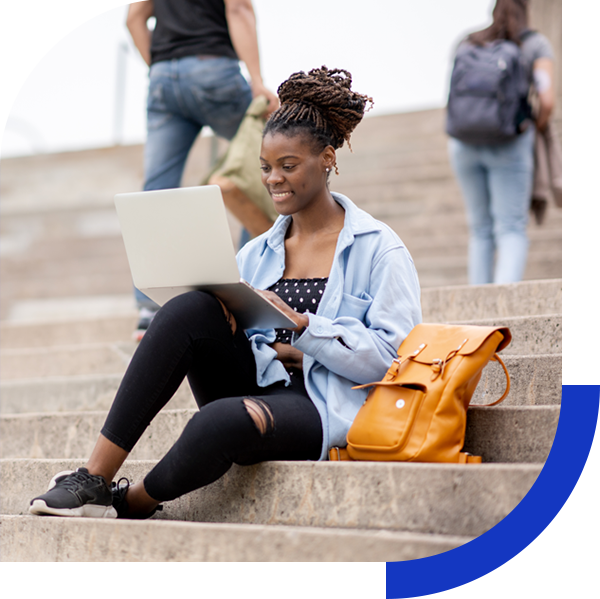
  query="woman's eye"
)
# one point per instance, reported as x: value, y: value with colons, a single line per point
x: 264, y: 168
x: 288, y: 167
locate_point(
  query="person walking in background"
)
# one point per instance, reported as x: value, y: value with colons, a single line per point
x: 492, y: 136
x: 195, y: 81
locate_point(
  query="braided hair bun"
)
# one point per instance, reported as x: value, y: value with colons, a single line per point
x: 322, y: 103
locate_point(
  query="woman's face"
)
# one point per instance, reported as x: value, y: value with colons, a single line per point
x: 293, y: 174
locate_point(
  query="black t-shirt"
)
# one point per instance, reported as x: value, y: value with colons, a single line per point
x: 190, y: 28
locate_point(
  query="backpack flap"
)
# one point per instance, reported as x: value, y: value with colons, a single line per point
x: 430, y: 343
x: 436, y: 346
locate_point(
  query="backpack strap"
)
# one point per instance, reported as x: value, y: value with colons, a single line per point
x: 339, y: 454
x: 526, y: 33
x: 498, y: 359
x: 467, y: 458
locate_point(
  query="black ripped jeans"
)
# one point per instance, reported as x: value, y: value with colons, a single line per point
x: 238, y: 422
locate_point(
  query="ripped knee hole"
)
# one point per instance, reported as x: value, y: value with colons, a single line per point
x: 229, y: 317
x: 261, y: 414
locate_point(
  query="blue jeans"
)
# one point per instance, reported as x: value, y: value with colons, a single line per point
x: 496, y: 183
x: 184, y: 95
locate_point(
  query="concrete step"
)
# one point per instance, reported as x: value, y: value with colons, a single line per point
x: 469, y: 302
x: 535, y: 380
x: 499, y: 434
x: 83, y: 285
x: 84, y: 331
x: 409, y: 497
x: 437, y: 270
x: 72, y: 393
x: 36, y: 539
x: 542, y: 240
x: 96, y: 358
x: 96, y: 319
x: 531, y: 335
x: 519, y: 434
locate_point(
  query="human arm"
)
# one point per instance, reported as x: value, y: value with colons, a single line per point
x: 543, y: 76
x: 137, y: 23
x: 241, y: 22
x: 360, y: 340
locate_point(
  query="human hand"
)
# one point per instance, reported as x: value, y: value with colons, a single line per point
x: 301, y: 320
x: 288, y: 355
x: 259, y: 89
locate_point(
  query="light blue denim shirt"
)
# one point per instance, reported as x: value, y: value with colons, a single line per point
x: 371, y: 303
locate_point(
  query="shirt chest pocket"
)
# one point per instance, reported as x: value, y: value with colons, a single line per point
x: 355, y: 307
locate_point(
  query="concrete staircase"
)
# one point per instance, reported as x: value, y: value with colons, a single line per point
x: 60, y: 238
x: 66, y: 317
x: 278, y: 510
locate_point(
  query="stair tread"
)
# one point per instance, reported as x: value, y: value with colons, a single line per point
x: 31, y: 538
x: 375, y: 495
x: 41, y: 435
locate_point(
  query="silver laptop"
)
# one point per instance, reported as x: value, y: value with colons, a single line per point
x: 178, y: 240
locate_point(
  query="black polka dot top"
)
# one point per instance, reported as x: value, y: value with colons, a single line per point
x: 303, y: 295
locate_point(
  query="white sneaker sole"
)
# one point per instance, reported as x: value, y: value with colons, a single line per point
x: 39, y: 507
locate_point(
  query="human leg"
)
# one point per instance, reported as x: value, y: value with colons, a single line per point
x: 190, y: 332
x: 214, y: 92
x: 170, y: 136
x: 189, y: 336
x: 171, y: 130
x: 472, y: 177
x: 511, y: 180
x: 278, y: 424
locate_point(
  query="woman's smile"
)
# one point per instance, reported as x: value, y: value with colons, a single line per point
x: 280, y: 195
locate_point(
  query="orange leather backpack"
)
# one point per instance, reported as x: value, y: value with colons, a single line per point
x: 418, y: 412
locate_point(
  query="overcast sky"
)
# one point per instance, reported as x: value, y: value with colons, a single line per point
x: 399, y: 52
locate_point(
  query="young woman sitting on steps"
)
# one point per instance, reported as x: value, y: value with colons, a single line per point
x: 345, y: 279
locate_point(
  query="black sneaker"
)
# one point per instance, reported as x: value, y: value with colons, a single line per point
x: 120, y: 503
x: 75, y: 494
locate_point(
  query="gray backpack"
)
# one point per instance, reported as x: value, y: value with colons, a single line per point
x: 488, y: 93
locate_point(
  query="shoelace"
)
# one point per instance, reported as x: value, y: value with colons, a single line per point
x: 118, y: 494
x: 73, y: 481
x: 120, y: 503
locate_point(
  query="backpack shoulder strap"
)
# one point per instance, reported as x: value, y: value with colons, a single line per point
x: 527, y: 33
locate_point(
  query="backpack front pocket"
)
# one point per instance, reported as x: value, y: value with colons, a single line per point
x: 385, y: 421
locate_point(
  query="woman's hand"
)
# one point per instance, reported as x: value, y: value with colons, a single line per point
x: 301, y: 320
x: 289, y: 356
x: 543, y: 75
